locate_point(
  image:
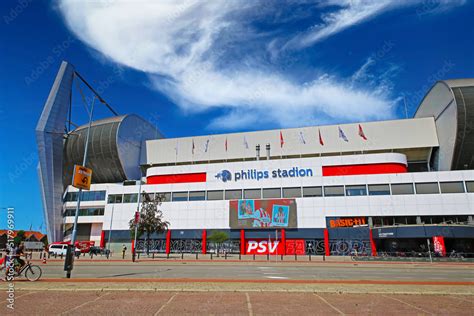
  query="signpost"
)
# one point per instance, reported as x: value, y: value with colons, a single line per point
x: 82, y: 177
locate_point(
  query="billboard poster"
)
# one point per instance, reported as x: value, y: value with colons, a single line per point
x: 274, y: 213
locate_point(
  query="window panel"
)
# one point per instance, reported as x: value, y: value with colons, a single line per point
x: 312, y: 191
x: 470, y: 186
x: 402, y: 188
x: 452, y: 187
x: 233, y: 194
x: 163, y: 196
x: 197, y: 195
x: 254, y: 194
x: 427, y: 188
x: 334, y: 191
x: 271, y: 193
x: 292, y: 192
x: 215, y: 195
x: 356, y: 190
x: 180, y: 196
x: 379, y: 189
x: 130, y: 198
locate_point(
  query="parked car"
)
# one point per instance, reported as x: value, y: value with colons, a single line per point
x: 95, y: 250
x: 61, y: 249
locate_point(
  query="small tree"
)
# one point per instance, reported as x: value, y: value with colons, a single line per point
x: 20, y: 236
x: 151, y: 219
x: 218, y: 238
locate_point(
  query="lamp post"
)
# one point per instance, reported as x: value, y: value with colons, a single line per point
x: 68, y: 263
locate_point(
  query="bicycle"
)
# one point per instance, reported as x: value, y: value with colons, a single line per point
x: 32, y: 272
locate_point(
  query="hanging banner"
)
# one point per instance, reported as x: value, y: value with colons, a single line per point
x: 438, y: 245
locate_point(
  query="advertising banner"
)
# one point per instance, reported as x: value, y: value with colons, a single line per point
x: 274, y: 247
x: 438, y: 245
x: 338, y: 222
x: 276, y: 213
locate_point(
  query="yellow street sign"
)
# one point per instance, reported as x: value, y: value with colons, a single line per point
x: 82, y: 177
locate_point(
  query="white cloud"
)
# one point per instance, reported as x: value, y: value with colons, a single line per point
x: 207, y: 55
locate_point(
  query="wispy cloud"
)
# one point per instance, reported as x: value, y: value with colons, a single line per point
x: 210, y: 55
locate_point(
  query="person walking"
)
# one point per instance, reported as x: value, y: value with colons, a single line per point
x: 124, y: 249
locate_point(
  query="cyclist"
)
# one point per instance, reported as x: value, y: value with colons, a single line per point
x: 17, y: 255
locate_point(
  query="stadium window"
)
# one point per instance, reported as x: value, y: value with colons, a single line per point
x: 253, y: 194
x: 271, y: 193
x: 99, y: 195
x: 292, y: 192
x: 215, y: 195
x: 163, y: 196
x: 147, y: 196
x: 334, y: 191
x: 180, y: 196
x: 402, y: 188
x: 71, y: 197
x: 470, y: 186
x: 312, y: 191
x: 114, y: 198
x: 452, y: 187
x: 233, y: 194
x: 356, y: 190
x: 379, y: 189
x: 427, y: 188
x: 197, y: 195
x: 130, y: 198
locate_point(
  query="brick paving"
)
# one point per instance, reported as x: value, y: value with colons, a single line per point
x: 235, y: 303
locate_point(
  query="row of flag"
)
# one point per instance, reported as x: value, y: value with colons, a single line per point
x: 342, y: 136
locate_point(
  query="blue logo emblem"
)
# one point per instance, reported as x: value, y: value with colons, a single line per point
x: 224, y: 175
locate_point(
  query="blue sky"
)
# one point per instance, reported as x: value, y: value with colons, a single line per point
x: 197, y: 68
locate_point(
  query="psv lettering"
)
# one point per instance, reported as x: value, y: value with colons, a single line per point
x: 262, y: 247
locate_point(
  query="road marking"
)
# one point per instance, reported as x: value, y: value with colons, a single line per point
x: 249, y: 305
x: 461, y: 299
x: 166, y: 304
x: 329, y: 304
x: 25, y: 294
x: 84, y: 304
x: 276, y: 277
x: 411, y: 305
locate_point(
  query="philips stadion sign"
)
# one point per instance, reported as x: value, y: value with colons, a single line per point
x: 254, y: 174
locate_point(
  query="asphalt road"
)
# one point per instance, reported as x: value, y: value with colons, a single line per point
x: 266, y: 271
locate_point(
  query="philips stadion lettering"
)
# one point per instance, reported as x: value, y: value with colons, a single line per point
x: 275, y: 213
x: 254, y: 174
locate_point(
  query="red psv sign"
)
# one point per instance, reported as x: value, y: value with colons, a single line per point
x: 262, y: 247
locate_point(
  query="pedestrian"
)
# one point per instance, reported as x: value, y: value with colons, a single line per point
x: 124, y: 249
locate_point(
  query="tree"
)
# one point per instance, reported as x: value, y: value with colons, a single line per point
x: 151, y: 219
x: 218, y: 238
x: 20, y: 236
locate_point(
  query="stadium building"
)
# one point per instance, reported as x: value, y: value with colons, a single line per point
x: 371, y: 187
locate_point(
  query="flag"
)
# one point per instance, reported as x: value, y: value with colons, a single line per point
x: 302, y: 140
x: 193, y: 147
x: 361, y: 133
x: 320, y: 138
x: 342, y: 135
x: 176, y: 148
x: 282, y: 141
x: 245, y: 143
x: 226, y: 144
x: 206, y: 146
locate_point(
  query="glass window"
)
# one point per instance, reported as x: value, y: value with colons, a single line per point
x: 254, y: 194
x: 98, y: 196
x: 291, y: 192
x: 427, y: 188
x: 272, y: 193
x: 402, y: 188
x: 197, y: 196
x: 130, y: 198
x: 114, y: 198
x: 470, y: 186
x: 215, y: 195
x: 452, y: 187
x: 233, y: 194
x: 356, y: 190
x: 379, y: 189
x: 334, y: 191
x: 180, y: 196
x: 312, y: 191
x: 147, y: 196
x: 163, y: 196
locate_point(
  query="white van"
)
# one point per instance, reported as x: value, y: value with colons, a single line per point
x: 60, y: 249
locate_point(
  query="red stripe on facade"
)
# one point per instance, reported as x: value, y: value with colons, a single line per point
x: 204, y: 242
x: 351, y: 170
x: 326, y: 242
x: 177, y: 178
x: 242, y: 242
x: 372, y: 244
x: 168, y: 241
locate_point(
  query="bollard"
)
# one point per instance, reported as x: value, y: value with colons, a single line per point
x: 49, y: 255
x: 182, y: 255
x: 61, y: 256
x: 55, y: 255
x: 196, y: 256
x: 41, y: 255
x: 253, y: 257
x: 167, y: 256
x: 153, y: 255
x: 268, y: 256
x: 281, y: 257
x: 324, y: 257
x: 225, y: 255
x: 240, y: 256
x: 211, y: 255
x: 138, y: 255
x: 309, y: 256
x: 84, y: 254
x: 296, y: 259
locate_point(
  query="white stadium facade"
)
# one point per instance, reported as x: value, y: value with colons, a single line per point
x: 370, y: 187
